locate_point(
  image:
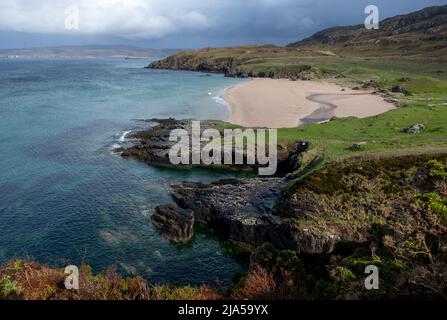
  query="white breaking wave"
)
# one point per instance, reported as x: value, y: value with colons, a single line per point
x: 123, y: 138
x: 220, y: 100
x: 115, y: 146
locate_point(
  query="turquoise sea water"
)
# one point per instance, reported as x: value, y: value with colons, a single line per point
x: 65, y: 198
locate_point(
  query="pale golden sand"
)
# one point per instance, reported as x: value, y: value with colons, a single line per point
x: 281, y: 103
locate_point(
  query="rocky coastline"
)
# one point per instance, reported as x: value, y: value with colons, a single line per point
x: 230, y: 67
x: 242, y: 210
x: 246, y: 211
x: 152, y: 147
x: 336, y: 206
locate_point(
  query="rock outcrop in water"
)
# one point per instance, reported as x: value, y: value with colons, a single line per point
x: 174, y: 223
x: 153, y: 146
x: 246, y: 211
x: 242, y: 210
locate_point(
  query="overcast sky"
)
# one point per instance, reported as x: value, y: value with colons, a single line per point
x: 182, y: 23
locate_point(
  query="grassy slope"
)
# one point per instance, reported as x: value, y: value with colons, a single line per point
x: 427, y: 104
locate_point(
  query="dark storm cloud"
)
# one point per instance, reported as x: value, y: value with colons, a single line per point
x: 184, y: 23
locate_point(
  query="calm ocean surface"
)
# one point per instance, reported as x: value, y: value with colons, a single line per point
x: 65, y: 198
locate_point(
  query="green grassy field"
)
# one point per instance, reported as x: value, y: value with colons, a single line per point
x: 426, y: 103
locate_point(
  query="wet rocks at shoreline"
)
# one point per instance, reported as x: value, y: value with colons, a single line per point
x: 242, y: 210
x: 174, y: 223
x: 298, y: 216
x: 246, y: 211
x: 152, y: 146
x: 153, y: 143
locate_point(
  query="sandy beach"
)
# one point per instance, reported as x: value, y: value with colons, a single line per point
x: 281, y: 103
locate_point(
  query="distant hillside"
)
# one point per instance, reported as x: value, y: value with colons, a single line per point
x: 420, y: 36
x: 244, y: 61
x: 417, y: 32
x: 85, y: 52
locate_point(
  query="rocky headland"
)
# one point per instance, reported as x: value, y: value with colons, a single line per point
x: 420, y: 35
x: 231, y: 66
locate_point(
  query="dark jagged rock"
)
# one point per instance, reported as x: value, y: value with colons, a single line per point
x: 399, y: 89
x: 371, y: 84
x: 153, y: 146
x: 245, y: 211
x: 242, y: 210
x: 415, y: 128
x: 174, y: 223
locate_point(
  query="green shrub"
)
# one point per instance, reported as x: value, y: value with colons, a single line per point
x: 235, y: 249
x: 345, y: 274
x: 166, y: 292
x: 8, y: 287
x: 324, y: 290
x: 437, y: 169
x: 433, y: 202
x: 17, y: 265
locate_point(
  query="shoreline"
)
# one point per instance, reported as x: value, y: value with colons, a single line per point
x: 281, y: 103
x: 220, y: 99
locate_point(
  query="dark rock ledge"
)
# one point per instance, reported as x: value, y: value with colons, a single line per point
x: 174, y: 223
x: 246, y: 211
x: 242, y: 210
x: 153, y: 146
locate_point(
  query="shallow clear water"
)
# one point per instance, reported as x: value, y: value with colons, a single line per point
x: 66, y: 198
